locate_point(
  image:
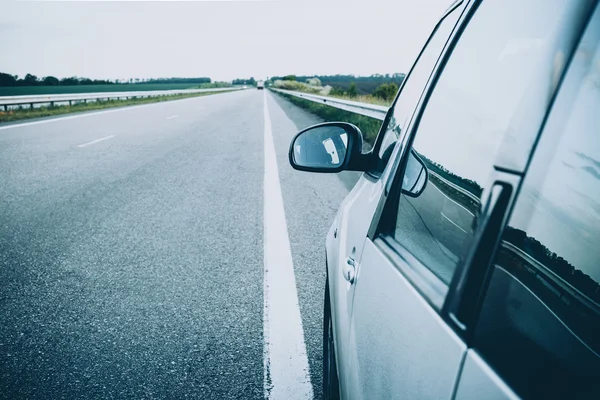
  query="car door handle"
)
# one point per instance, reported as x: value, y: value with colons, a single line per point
x: 349, y: 269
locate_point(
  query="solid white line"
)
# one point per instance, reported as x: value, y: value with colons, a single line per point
x: 286, y: 374
x: 458, y: 204
x: 453, y: 223
x: 96, y: 141
x: 173, y: 116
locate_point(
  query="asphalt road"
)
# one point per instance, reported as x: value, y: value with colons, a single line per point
x: 131, y: 250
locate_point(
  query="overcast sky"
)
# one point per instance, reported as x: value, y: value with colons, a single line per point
x: 218, y: 39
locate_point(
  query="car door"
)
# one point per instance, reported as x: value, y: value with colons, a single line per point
x: 474, y: 131
x: 349, y: 231
x: 538, y: 331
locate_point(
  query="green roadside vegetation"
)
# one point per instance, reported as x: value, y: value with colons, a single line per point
x: 26, y: 113
x: 368, y: 126
x: 33, y: 90
x: 375, y: 89
x: 382, y: 95
x: 213, y: 85
x: 363, y: 85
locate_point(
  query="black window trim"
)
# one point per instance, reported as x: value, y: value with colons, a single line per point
x: 455, y: 295
x: 398, y: 163
x: 383, y: 128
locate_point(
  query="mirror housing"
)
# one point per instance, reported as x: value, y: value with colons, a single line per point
x: 415, y: 176
x: 327, y: 147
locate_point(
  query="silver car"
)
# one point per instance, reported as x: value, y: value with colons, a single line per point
x: 465, y: 263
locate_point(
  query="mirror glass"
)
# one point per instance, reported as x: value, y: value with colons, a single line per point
x: 321, y: 147
x: 415, y: 176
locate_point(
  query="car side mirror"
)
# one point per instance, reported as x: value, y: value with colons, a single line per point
x: 415, y: 175
x: 327, y: 147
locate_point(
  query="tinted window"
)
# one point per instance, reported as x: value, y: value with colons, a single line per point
x: 540, y: 321
x: 478, y: 98
x: 414, y: 85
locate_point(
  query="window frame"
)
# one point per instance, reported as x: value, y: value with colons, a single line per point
x: 374, y: 171
x: 427, y: 283
x: 543, y: 269
x: 431, y: 287
x: 457, y: 295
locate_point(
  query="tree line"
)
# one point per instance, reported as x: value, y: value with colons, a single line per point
x: 250, y: 81
x: 561, y: 267
x: 32, y: 80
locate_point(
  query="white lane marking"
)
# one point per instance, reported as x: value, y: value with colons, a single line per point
x: 96, y: 141
x: 286, y: 374
x: 126, y: 108
x: 453, y: 223
x: 173, y: 116
x: 458, y: 204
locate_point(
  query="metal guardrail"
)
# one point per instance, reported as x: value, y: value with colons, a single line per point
x: 11, y: 101
x: 541, y: 271
x: 366, y: 109
x: 456, y: 187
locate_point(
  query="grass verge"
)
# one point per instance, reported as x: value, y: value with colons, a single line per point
x: 368, y: 126
x: 365, y: 99
x: 27, y: 113
x: 303, y: 87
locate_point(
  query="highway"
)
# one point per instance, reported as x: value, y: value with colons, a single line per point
x: 133, y: 252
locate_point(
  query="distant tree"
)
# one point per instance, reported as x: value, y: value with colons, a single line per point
x: 352, y: 90
x: 244, y: 81
x: 336, y: 92
x: 386, y: 91
x: 50, y: 81
x: 289, y: 78
x: 31, y: 80
x: 101, y: 82
x: 69, y: 81
x: 7, y: 79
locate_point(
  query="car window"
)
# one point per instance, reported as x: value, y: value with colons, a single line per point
x: 540, y: 320
x: 414, y: 85
x: 471, y: 107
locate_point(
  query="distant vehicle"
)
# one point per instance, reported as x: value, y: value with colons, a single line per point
x: 260, y: 85
x: 465, y: 264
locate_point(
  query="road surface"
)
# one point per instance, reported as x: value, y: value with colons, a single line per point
x: 133, y: 252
